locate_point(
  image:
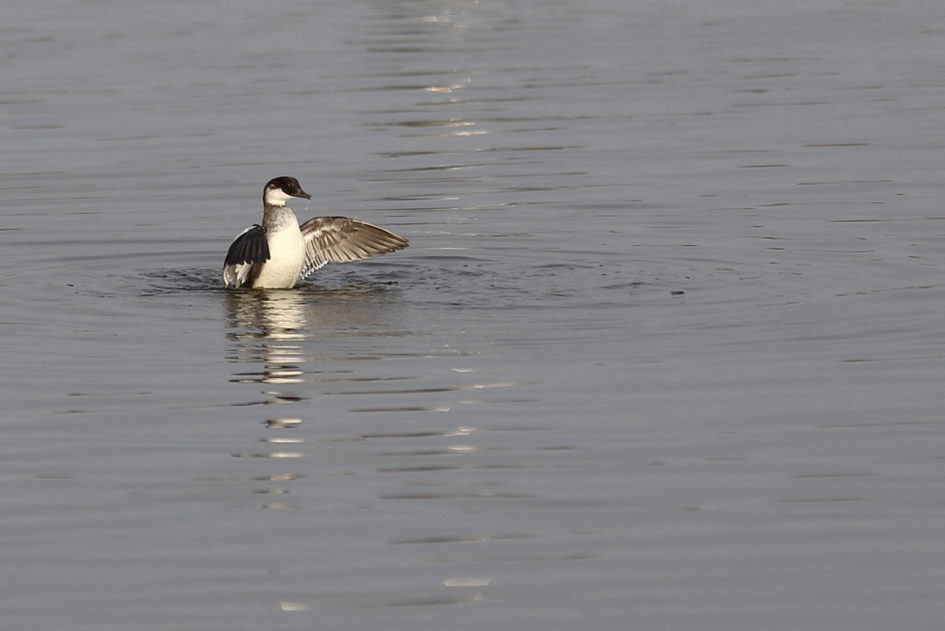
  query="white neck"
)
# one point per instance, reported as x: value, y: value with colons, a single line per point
x: 276, y: 197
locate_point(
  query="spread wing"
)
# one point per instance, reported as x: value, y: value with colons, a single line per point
x: 248, y: 248
x: 340, y: 240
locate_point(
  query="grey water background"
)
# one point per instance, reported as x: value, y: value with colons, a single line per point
x: 666, y: 351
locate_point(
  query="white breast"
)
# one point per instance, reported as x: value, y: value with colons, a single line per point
x: 286, y: 255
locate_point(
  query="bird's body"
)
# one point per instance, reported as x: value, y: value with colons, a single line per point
x: 279, y: 252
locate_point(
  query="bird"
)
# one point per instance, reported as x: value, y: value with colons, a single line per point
x: 279, y: 253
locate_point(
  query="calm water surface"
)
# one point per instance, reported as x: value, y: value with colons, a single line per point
x: 666, y: 350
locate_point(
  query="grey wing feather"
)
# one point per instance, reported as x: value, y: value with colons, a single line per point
x: 249, y: 248
x: 340, y: 240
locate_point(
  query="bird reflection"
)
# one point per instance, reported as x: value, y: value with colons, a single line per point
x: 275, y: 314
x: 272, y: 326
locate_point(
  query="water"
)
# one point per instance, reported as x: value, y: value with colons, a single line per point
x: 665, y: 351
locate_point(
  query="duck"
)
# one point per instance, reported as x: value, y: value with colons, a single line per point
x: 279, y: 252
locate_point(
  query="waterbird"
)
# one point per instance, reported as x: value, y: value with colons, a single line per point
x: 280, y: 252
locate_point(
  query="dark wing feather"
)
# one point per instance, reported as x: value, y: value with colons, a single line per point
x: 340, y: 240
x: 245, y: 253
x: 250, y: 247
